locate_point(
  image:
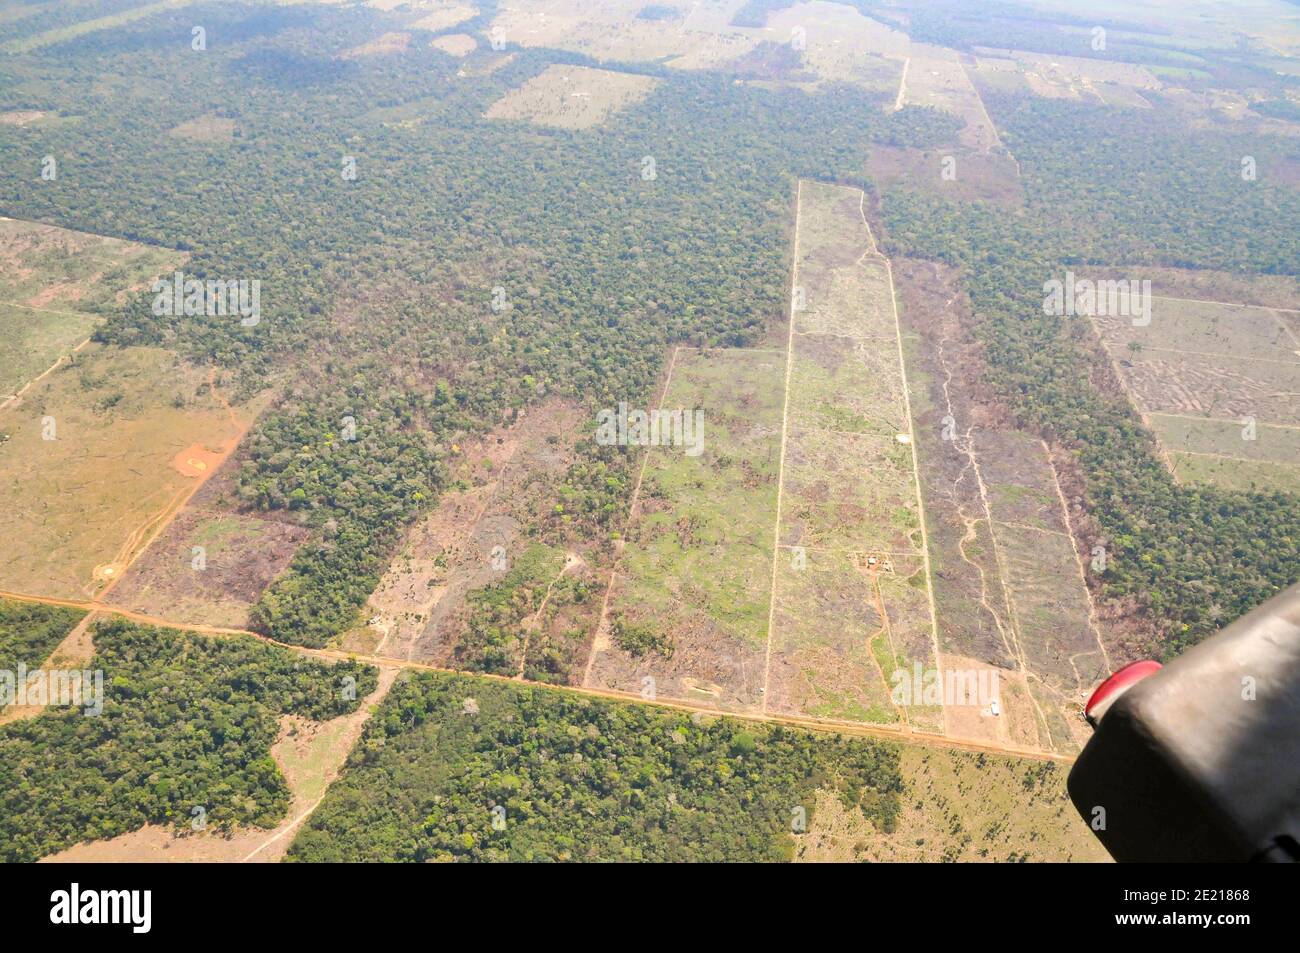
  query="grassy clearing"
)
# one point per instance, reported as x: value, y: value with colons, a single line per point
x: 851, y: 605
x: 824, y: 662
x: 572, y: 97
x: 208, y: 567
x: 1205, y: 327
x: 1271, y: 444
x: 1241, y: 475
x: 697, y: 568
x: 1234, y: 366
x: 82, y: 503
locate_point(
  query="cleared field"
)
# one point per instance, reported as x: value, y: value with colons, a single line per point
x: 1219, y: 383
x: 1224, y: 437
x: 1269, y: 291
x: 978, y: 176
x: 1051, y: 613
x: 1009, y: 594
x: 610, y: 30
x: 958, y: 806
x: 835, y: 43
x: 436, y: 16
x: 455, y: 44
x: 55, y: 284
x: 392, y: 42
x: 207, y: 128
x: 1232, y: 474
x: 935, y: 77
x: 1076, y: 72
x: 98, y: 455
x: 851, y: 603
x: 841, y: 45
x: 1207, y: 328
x: 208, y: 567
x: 572, y: 97
x: 689, y: 604
x: 469, y: 588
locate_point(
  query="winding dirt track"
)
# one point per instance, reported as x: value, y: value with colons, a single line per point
x: 845, y: 728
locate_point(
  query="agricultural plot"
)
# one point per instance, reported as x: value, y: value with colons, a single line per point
x: 99, y: 455
x: 209, y: 566
x: 850, y: 604
x: 1219, y: 384
x: 688, y: 608
x: 830, y: 42
x: 1010, y: 598
x: 36, y: 41
x: 572, y: 97
x: 612, y: 30
x: 839, y: 44
x: 441, y: 14
x: 470, y: 587
x: 936, y: 77
x: 55, y: 286
x: 1075, y: 72
x: 1051, y: 614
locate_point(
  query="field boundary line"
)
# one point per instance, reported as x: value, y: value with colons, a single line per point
x: 1221, y: 420
x: 1228, y: 456
x: 902, y: 84
x: 785, y: 435
x: 1232, y: 357
x: 1234, y: 304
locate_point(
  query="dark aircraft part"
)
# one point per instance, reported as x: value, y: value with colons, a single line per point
x: 1200, y: 760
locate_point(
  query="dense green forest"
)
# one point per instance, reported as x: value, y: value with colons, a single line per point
x: 377, y: 290
x: 187, y: 722
x: 29, y: 633
x: 579, y: 779
x: 1123, y: 187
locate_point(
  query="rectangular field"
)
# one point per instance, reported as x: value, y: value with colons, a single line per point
x: 1010, y: 598
x: 572, y: 97
x: 1051, y: 613
x: 1219, y: 384
x: 689, y: 604
x: 851, y: 601
x: 96, y: 457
